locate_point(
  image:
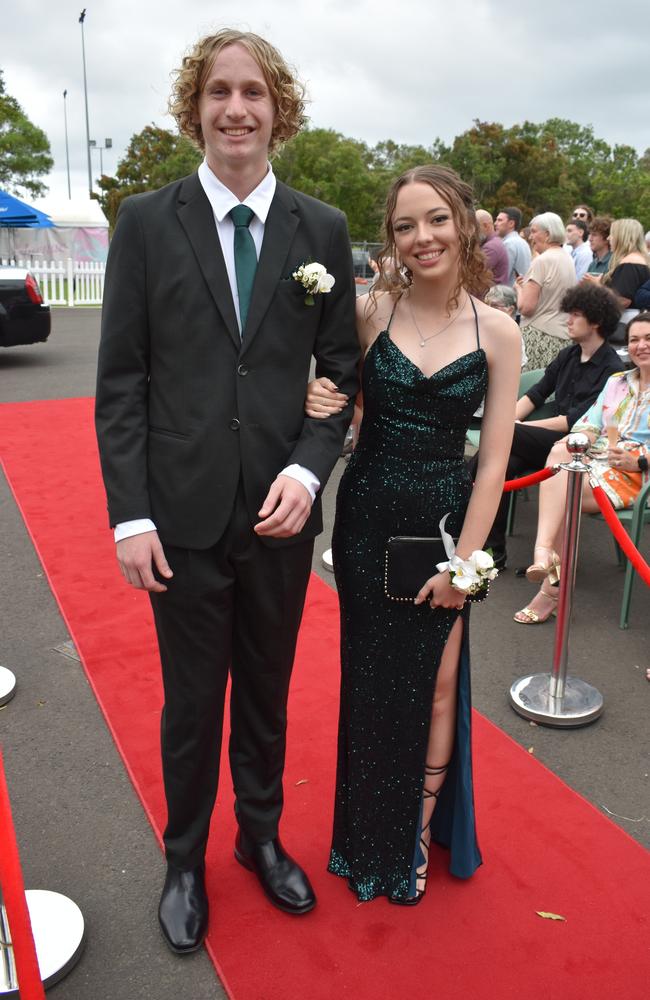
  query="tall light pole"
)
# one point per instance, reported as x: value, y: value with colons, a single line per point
x: 67, y: 151
x: 108, y: 144
x: 82, y: 18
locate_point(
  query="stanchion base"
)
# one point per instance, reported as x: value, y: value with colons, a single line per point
x: 531, y: 697
x: 7, y: 685
x: 59, y: 935
x: 327, y: 560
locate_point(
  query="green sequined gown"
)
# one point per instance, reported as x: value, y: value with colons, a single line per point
x: 405, y: 474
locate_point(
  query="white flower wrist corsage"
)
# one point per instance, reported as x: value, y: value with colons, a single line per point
x: 471, y: 576
x: 315, y: 279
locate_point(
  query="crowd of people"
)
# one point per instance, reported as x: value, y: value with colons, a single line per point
x: 576, y: 289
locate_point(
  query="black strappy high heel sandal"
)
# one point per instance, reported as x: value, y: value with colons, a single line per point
x: 429, y: 772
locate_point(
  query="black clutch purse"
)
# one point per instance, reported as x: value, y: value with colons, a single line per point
x: 410, y: 561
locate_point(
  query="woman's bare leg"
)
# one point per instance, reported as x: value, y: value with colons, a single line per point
x: 550, y: 526
x: 442, y: 734
x: 552, y: 502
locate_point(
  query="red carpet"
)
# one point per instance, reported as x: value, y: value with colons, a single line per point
x: 544, y: 847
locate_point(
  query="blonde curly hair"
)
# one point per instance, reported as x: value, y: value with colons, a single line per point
x: 472, y: 272
x: 287, y: 92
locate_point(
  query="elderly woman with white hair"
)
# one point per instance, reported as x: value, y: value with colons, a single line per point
x: 541, y: 290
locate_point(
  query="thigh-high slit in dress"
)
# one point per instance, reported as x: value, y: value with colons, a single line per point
x: 405, y: 474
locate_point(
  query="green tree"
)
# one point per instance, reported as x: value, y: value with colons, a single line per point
x: 394, y: 159
x: 24, y: 149
x: 622, y: 185
x: 154, y: 157
x: 325, y: 164
x: 549, y: 166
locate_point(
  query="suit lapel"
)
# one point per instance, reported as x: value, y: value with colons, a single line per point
x: 281, y: 224
x: 197, y: 219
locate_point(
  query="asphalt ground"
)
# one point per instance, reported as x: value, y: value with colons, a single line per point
x: 80, y: 826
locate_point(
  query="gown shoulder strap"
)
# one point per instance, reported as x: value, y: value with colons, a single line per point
x: 391, y: 316
x: 478, y: 339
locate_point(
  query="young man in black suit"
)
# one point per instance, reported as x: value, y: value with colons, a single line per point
x: 212, y: 471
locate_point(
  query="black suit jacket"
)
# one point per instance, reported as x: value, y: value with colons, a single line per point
x: 185, y: 407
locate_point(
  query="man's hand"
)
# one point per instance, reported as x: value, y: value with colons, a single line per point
x: 285, y: 510
x: 136, y: 555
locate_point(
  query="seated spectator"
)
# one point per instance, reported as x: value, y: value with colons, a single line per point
x: 599, y: 243
x: 581, y: 255
x: 623, y: 404
x: 502, y: 297
x: 494, y: 251
x: 541, y: 290
x: 575, y: 376
x: 583, y: 212
x: 629, y: 267
x: 507, y: 225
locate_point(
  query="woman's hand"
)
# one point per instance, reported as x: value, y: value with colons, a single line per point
x: 323, y: 399
x: 622, y: 460
x: 440, y: 593
x: 594, y: 279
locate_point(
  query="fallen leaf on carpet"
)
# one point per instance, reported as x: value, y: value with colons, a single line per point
x: 549, y: 916
x: 531, y: 749
x: 303, y: 781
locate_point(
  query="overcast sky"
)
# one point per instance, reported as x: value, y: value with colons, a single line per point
x: 408, y: 70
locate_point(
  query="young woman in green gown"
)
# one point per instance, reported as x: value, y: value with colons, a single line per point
x: 431, y: 350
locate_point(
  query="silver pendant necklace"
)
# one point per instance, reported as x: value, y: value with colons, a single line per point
x: 425, y: 340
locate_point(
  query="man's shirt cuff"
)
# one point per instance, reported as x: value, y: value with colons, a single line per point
x: 304, y: 476
x: 128, y: 528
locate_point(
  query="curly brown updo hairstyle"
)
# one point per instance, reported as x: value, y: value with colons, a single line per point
x: 472, y: 271
x: 287, y: 92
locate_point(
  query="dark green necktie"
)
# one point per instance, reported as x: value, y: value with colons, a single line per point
x: 245, y: 258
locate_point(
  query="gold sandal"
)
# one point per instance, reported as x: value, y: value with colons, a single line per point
x: 528, y: 615
x: 539, y: 570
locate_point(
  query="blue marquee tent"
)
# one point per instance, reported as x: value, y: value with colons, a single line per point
x: 15, y: 214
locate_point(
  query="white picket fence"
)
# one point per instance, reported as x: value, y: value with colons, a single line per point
x: 67, y: 283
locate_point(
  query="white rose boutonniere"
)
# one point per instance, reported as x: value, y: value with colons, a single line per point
x: 315, y: 280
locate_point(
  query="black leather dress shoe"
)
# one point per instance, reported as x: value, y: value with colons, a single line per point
x: 283, y: 881
x: 183, y: 910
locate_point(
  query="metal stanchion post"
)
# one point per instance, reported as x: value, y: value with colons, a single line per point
x: 59, y: 937
x: 556, y: 699
x: 7, y: 685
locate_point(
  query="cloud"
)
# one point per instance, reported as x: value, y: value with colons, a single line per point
x: 400, y: 69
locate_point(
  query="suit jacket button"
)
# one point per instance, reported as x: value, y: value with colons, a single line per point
x: 242, y: 370
x: 234, y: 424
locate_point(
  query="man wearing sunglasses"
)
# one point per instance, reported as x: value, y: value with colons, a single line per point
x: 583, y: 212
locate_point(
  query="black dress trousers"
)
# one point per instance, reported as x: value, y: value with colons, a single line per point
x: 235, y: 607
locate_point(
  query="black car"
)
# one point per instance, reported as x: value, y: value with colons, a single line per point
x: 24, y: 319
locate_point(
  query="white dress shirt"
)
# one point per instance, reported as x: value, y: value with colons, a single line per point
x: 222, y: 201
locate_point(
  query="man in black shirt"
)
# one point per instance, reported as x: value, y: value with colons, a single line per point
x: 576, y: 376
